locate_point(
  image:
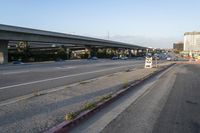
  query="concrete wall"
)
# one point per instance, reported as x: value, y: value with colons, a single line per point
x: 3, y: 52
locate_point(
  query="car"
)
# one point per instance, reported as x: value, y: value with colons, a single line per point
x: 59, y: 60
x: 17, y: 62
x: 94, y: 58
x: 156, y: 58
x: 115, y: 58
x: 169, y: 58
x: 140, y: 58
x: 123, y: 58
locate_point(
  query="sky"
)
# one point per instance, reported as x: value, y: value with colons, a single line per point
x: 153, y: 23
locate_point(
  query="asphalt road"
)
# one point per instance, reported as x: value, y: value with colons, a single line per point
x: 170, y: 104
x: 181, y: 111
x: 19, y: 80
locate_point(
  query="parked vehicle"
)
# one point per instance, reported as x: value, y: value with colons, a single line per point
x: 123, y: 58
x: 17, y: 62
x: 140, y: 58
x: 169, y: 58
x: 59, y: 60
x: 94, y: 58
x: 115, y: 58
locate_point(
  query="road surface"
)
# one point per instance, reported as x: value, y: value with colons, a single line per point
x: 169, y: 103
x: 19, y: 80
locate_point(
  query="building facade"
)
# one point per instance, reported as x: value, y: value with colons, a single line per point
x: 191, y: 41
x: 178, y: 46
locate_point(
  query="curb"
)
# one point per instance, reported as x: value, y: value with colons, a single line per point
x: 194, y: 62
x: 65, y: 126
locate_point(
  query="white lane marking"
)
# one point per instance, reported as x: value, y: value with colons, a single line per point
x: 61, y: 77
x: 15, y: 72
x: 71, y: 67
x: 26, y: 71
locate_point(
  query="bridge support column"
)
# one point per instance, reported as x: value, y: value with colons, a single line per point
x: 94, y: 52
x: 129, y: 53
x: 87, y: 52
x: 116, y: 53
x: 3, y: 51
x: 144, y: 52
x: 134, y: 52
x: 137, y: 52
x: 68, y: 52
x: 91, y: 52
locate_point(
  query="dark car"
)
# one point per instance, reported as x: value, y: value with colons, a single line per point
x: 59, y: 60
x: 140, y: 58
x: 115, y: 58
x: 93, y: 58
x: 17, y: 62
x: 123, y: 58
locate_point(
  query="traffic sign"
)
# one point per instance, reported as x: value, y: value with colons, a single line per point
x: 148, y: 62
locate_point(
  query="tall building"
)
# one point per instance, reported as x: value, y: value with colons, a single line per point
x: 191, y: 41
x: 178, y: 46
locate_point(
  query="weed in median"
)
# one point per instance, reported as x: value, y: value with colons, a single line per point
x: 67, y: 87
x: 36, y: 93
x: 84, y: 82
x: 128, y: 70
x: 70, y: 116
x: 126, y: 84
x: 105, y: 97
x: 110, y: 75
x: 88, y: 106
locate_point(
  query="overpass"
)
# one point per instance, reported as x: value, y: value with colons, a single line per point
x: 13, y: 33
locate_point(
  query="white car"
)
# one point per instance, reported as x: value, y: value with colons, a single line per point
x: 124, y: 58
x: 169, y: 58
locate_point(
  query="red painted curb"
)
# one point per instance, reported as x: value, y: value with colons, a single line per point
x: 188, y: 63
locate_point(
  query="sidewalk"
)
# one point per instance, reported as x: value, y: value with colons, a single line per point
x: 40, y: 113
